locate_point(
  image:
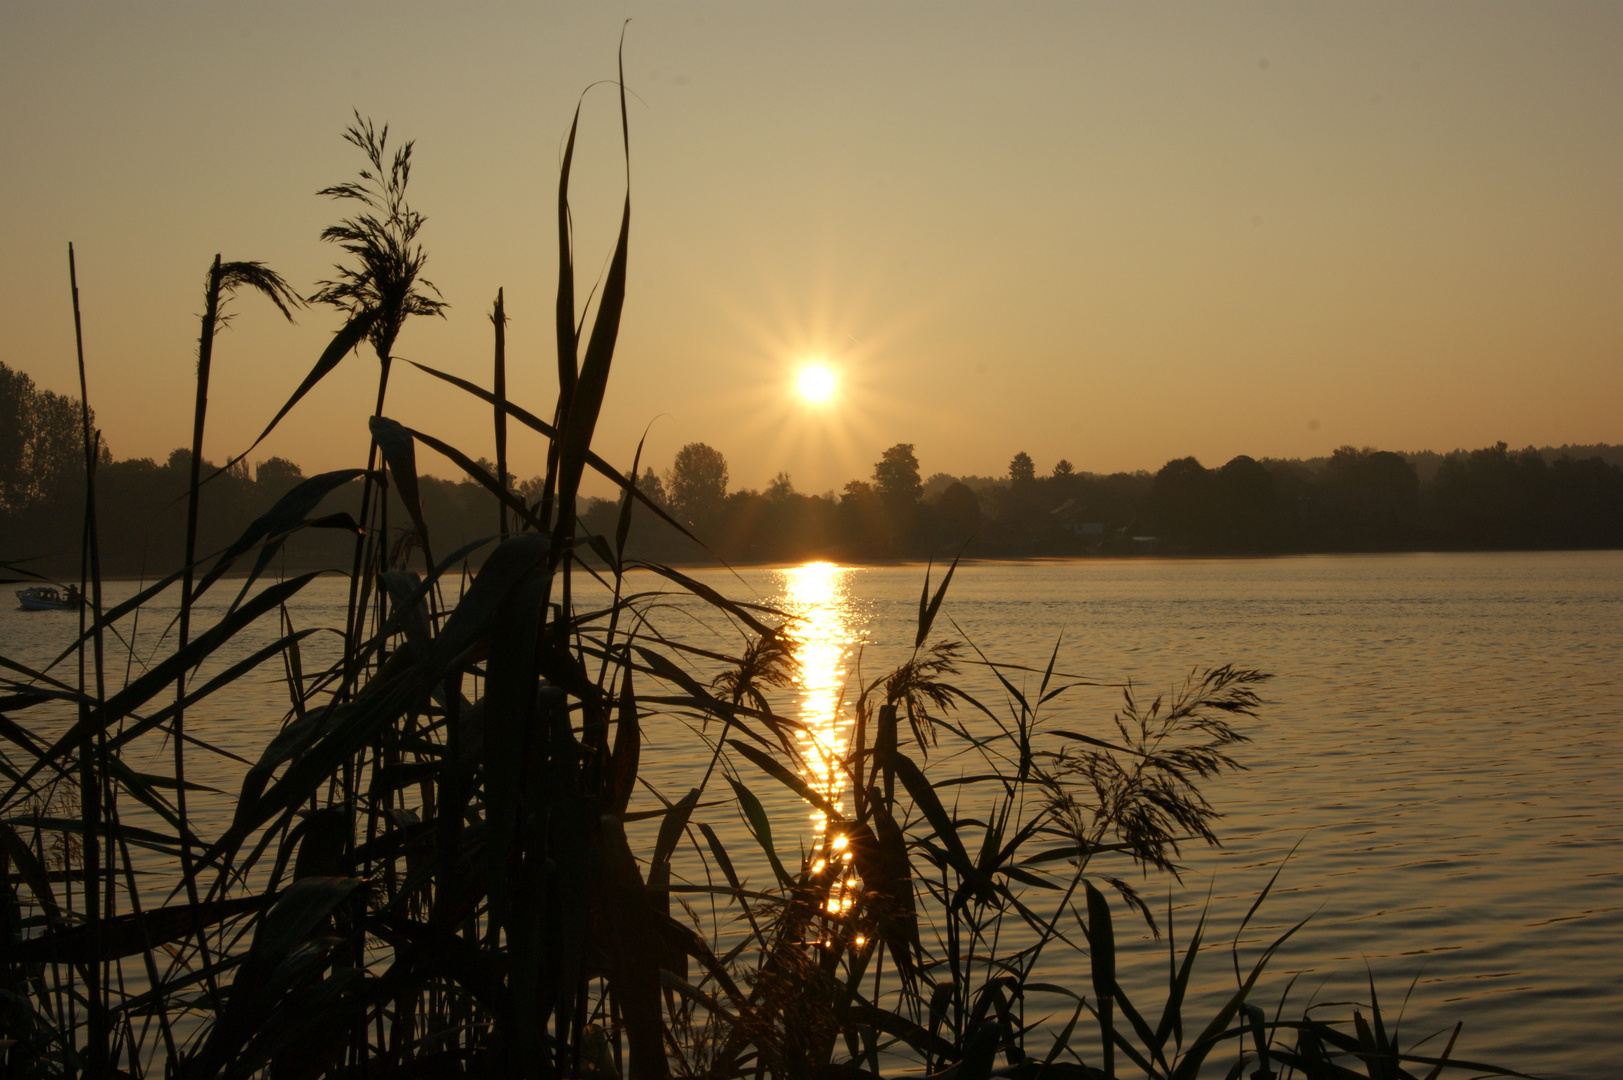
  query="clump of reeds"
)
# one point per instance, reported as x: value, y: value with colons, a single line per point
x: 429, y: 872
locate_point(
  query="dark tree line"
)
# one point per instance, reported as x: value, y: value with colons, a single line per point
x: 1355, y: 500
x: 1368, y: 500
x: 1495, y: 498
x: 41, y: 443
x: 142, y: 509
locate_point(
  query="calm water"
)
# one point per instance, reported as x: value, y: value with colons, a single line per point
x: 1442, y: 746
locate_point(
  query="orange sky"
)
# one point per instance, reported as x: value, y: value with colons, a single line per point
x: 1114, y: 233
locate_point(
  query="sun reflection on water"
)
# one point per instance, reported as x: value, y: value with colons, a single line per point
x: 826, y: 635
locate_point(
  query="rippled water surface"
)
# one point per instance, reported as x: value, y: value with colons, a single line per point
x: 1442, y: 747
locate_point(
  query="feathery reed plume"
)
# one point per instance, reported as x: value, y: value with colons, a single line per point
x: 386, y: 275
x: 224, y: 279
x: 384, y: 286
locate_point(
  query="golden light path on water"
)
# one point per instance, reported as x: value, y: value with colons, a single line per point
x: 825, y: 637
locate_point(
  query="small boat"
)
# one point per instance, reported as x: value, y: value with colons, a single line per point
x: 47, y: 598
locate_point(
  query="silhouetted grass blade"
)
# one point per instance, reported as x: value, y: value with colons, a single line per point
x: 761, y: 828
x: 786, y: 777
x: 129, y: 935
x: 395, y: 441
x: 927, y: 612
x: 156, y: 678
x: 287, y: 514
x: 343, y: 343
x: 598, y: 464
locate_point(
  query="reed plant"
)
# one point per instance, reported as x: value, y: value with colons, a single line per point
x: 450, y: 860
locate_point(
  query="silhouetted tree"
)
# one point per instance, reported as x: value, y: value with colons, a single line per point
x: 697, y: 482
x: 959, y: 512
x: 1021, y: 468
x: 16, y: 409
x: 1583, y: 503
x: 1181, y: 503
x: 278, y: 473
x: 1494, y: 498
x: 1375, y: 495
x: 56, y: 444
x: 863, y: 522
x: 896, y: 477
x: 1246, y: 505
x: 898, y: 489
x: 653, y: 487
x: 1063, y: 468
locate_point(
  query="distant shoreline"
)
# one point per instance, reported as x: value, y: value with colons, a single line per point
x: 965, y: 561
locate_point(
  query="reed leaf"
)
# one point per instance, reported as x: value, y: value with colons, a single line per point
x: 128, y: 935
x: 161, y: 675
x: 927, y: 611
x: 353, y: 332
x: 787, y: 778
x: 395, y: 441
x: 760, y: 827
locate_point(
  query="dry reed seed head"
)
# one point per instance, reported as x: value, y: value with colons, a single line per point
x: 917, y: 686
x: 382, y: 239
x: 768, y: 663
x: 256, y: 276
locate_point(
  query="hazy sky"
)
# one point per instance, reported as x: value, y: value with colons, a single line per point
x: 1117, y: 233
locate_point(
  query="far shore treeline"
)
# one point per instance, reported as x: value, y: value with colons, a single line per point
x: 1354, y: 500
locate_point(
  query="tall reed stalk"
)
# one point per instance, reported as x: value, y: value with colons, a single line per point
x: 498, y: 319
x: 223, y: 280
x: 91, y: 743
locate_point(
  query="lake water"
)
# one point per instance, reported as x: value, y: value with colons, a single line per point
x: 1442, y: 747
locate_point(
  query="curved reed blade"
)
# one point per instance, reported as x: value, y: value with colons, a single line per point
x: 140, y: 690
x: 282, y: 949
x: 1217, y: 1028
x: 924, y: 797
x: 787, y: 778
x: 343, y: 343
x: 224, y: 679
x: 29, y: 868
x: 400, y: 453
x: 636, y: 953
x: 568, y: 343
x: 130, y: 934
x: 1101, y: 934
x: 760, y: 827
x: 927, y: 612
x: 541, y: 427
x: 485, y: 480
x: 287, y: 514
x: 512, y: 755
x: 503, y: 569
x: 586, y: 395
x: 498, y: 318
x: 627, y: 752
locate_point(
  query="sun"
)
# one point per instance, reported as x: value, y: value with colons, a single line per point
x: 815, y: 383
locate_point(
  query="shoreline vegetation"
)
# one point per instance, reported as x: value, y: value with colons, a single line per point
x: 449, y: 860
x: 1493, y: 499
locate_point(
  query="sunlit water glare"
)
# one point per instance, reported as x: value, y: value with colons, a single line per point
x: 826, y: 641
